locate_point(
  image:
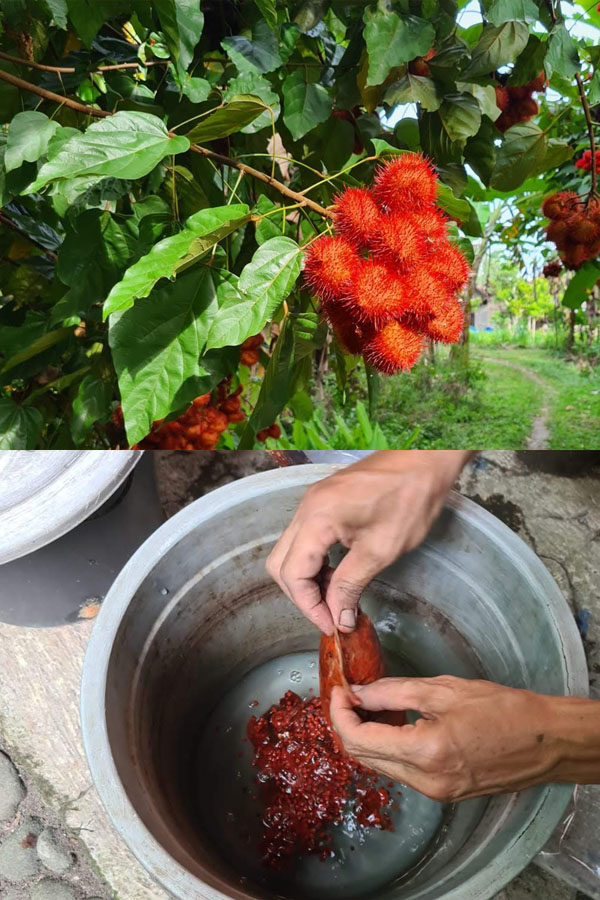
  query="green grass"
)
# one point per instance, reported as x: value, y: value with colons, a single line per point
x: 493, y: 409
x: 573, y: 396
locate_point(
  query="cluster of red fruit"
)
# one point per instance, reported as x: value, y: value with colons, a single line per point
x: 585, y: 162
x: 200, y: 426
x: 552, y: 269
x: 516, y: 104
x: 574, y: 227
x: 249, y: 351
x: 418, y: 65
x: 390, y: 276
x: 273, y: 431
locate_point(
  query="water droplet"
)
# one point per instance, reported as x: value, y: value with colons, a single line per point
x: 295, y: 676
x: 311, y: 664
x: 280, y: 671
x: 164, y: 591
x: 230, y: 817
x: 92, y: 562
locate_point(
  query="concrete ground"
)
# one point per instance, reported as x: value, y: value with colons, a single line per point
x: 56, y: 842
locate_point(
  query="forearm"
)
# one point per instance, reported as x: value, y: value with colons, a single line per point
x: 574, y: 730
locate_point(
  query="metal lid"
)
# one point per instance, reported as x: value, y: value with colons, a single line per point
x: 45, y: 494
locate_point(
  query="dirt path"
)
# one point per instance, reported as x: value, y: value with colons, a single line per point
x: 539, y: 436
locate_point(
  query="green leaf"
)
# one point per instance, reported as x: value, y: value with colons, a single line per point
x: 485, y: 96
x: 260, y: 53
x: 279, y: 385
x: 310, y: 333
x: 460, y: 115
x: 20, y: 427
x: 480, y: 151
x: 202, y: 230
x: 304, y: 105
x: 457, y: 209
x: 90, y: 260
x: 256, y: 85
x: 88, y: 16
x: 264, y: 283
x: 581, y: 284
x: 382, y: 147
x: 521, y: 152
x: 497, y: 46
x: 502, y: 11
x: 38, y: 346
x: 269, y: 226
x: 414, y: 89
x: 392, y: 40
x: 557, y: 153
x: 59, y: 11
x: 196, y: 90
x: 562, y: 56
x: 182, y: 22
x: 91, y: 404
x: 29, y: 134
x: 156, y: 349
x: 127, y: 145
x: 268, y: 11
x: 530, y: 62
x: 231, y: 117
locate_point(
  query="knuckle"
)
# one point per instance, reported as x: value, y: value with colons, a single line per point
x: 348, y: 589
x: 442, y: 791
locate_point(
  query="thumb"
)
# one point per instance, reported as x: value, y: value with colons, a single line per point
x: 347, y: 584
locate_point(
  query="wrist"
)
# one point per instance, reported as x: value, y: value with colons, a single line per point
x: 573, y: 728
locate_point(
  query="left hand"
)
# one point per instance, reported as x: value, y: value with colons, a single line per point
x: 474, y: 737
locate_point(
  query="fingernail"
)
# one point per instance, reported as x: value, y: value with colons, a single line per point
x: 348, y: 618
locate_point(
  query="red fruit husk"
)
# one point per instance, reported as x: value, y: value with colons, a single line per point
x: 527, y: 109
x: 583, y: 230
x: 351, y: 335
x: 502, y: 98
x: 356, y: 215
x: 552, y: 269
x: 539, y: 83
x: 448, y: 326
x: 378, y: 294
x: 558, y: 231
x: 400, y: 240
x: 449, y: 264
x: 434, y: 225
x: 393, y: 348
x: 406, y: 182
x: 329, y: 266
x: 560, y: 205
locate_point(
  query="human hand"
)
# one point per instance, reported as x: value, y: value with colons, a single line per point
x: 379, y: 508
x: 475, y: 737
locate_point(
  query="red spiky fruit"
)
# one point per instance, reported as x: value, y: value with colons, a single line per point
x: 406, y: 182
x: 552, y: 269
x: 560, y: 205
x: 502, y: 98
x: 352, y: 336
x: 433, y: 224
x: 393, y: 348
x: 449, y: 264
x: 539, y: 82
x: 329, y: 266
x: 400, y: 240
x: 583, y: 230
x: 378, y: 293
x: 575, y: 256
x: 527, y: 108
x: 558, y: 231
x: 519, y: 92
x: 448, y: 326
x: 356, y: 215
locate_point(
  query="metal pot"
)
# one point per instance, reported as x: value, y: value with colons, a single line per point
x: 193, y: 612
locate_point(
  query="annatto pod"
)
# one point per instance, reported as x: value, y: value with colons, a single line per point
x: 345, y: 659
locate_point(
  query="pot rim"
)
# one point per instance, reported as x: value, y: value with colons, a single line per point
x: 85, y: 480
x: 158, y: 862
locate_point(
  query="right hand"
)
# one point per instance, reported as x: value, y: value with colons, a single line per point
x: 379, y: 508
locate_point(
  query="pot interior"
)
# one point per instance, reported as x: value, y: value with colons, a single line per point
x: 207, y: 634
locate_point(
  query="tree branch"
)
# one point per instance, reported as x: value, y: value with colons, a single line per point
x: 196, y: 148
x: 262, y: 176
x: 4, y: 220
x: 69, y: 70
x: 590, y: 127
x: 50, y: 95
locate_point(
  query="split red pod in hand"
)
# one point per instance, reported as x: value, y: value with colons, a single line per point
x: 354, y: 658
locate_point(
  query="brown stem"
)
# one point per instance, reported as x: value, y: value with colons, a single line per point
x: 4, y: 220
x: 68, y: 70
x: 550, y: 7
x: 210, y: 154
x: 50, y: 95
x: 590, y: 127
x: 261, y: 176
